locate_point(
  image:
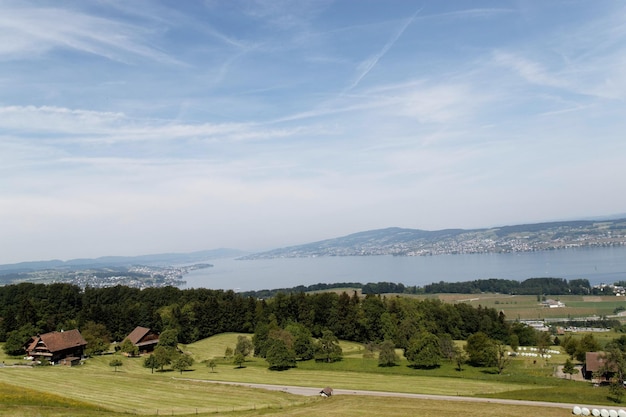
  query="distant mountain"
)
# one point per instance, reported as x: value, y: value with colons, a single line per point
x: 414, y: 242
x: 163, y: 259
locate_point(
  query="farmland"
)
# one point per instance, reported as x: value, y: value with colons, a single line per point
x: 97, y: 389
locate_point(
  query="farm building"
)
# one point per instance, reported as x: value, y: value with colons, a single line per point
x: 144, y: 338
x: 594, y: 362
x: 65, y: 346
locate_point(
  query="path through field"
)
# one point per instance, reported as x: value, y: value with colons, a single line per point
x: 311, y: 391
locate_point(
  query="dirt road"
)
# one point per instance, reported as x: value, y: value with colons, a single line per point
x: 310, y: 391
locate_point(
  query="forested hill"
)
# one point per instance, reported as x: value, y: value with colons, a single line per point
x: 415, y: 242
x: 531, y: 286
x: 162, y: 259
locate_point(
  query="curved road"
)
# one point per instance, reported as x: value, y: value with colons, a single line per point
x: 311, y: 391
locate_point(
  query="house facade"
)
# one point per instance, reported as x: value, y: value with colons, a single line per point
x: 66, y: 346
x: 144, y: 338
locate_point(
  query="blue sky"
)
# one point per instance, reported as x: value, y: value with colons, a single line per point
x: 159, y: 126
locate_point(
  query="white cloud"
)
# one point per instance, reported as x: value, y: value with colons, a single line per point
x: 30, y: 31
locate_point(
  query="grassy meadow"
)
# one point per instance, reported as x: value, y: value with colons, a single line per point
x: 97, y: 389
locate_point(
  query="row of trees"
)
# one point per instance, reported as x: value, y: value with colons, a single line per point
x: 26, y: 309
x: 531, y: 286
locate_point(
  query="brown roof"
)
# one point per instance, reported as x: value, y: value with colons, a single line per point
x: 139, y: 333
x: 594, y: 361
x: 58, y: 341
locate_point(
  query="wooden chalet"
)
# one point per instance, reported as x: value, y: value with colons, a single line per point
x: 144, y: 338
x: 594, y: 362
x: 64, y: 346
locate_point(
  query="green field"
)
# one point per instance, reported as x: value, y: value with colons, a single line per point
x: 96, y: 389
x: 526, y: 307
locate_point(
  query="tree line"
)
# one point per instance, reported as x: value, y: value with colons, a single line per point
x: 306, y: 324
x: 531, y: 286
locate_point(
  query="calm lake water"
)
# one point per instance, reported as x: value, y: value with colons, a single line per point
x: 598, y: 265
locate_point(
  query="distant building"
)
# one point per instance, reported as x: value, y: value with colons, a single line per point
x: 552, y: 304
x: 66, y: 347
x: 144, y: 338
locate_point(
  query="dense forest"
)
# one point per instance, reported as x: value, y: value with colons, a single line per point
x: 199, y: 313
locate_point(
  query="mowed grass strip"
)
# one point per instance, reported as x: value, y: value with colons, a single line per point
x: 358, y: 406
x: 141, y: 392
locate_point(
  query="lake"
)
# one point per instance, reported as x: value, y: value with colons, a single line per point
x: 598, y: 265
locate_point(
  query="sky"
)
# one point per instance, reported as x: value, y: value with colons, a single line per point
x: 138, y: 127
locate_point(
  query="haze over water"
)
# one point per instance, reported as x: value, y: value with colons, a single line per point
x: 598, y: 265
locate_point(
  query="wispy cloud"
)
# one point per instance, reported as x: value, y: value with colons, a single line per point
x: 32, y: 31
x: 366, y: 66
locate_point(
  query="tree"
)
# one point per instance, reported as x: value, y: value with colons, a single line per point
x: 14, y: 345
x: 211, y: 364
x: 502, y: 356
x: 182, y: 362
x: 570, y: 345
x: 128, y: 348
x: 228, y: 352
x: 97, y: 337
x: 514, y: 342
x: 544, y: 341
x: 614, y: 361
x: 587, y: 343
x: 279, y: 356
x: 163, y: 356
x: 151, y: 362
x: 244, y: 346
x: 446, y: 346
x: 424, y: 351
x: 481, y: 350
x: 303, y: 345
x: 616, y: 390
x: 387, y: 355
x: 169, y: 338
x: 460, y: 357
x: 115, y: 363
x: 568, y: 368
x: 327, y: 348
x: 239, y: 360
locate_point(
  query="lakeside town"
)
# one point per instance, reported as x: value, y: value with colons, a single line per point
x: 137, y: 276
x: 508, y: 239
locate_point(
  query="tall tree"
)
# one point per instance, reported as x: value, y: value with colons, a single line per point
x: 568, y: 368
x: 279, y: 356
x: 151, y: 362
x: 587, y: 343
x: 244, y: 346
x: 502, y: 359
x: 387, y: 355
x: 460, y: 357
x: 163, y: 356
x: 481, y: 350
x: 424, y: 351
x: 16, y: 339
x: 327, y: 348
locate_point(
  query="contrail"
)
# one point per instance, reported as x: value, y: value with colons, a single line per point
x: 371, y: 62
